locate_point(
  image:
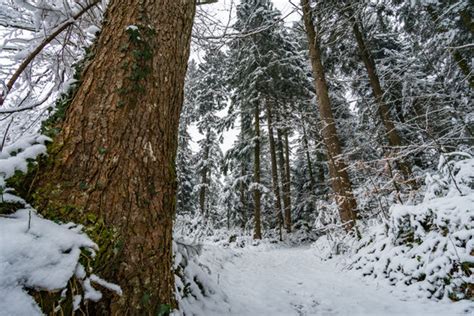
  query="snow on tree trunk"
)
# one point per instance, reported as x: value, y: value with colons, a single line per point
x: 257, y: 188
x: 204, y: 178
x: 287, y: 185
x: 274, y: 167
x: 307, y: 154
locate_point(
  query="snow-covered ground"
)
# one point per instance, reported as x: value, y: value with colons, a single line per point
x: 270, y: 280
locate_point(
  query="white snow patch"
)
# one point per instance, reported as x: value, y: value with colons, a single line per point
x: 282, y: 281
x: 36, y: 253
x: 427, y: 249
x: 132, y: 27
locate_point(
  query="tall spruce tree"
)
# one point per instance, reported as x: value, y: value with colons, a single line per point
x: 185, y: 172
x: 248, y: 78
x: 341, y: 183
x: 210, y: 97
x: 267, y: 75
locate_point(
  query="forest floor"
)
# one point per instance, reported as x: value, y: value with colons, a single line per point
x: 288, y: 281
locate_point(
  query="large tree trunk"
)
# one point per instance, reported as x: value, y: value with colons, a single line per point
x: 115, y: 155
x: 337, y: 167
x: 275, y: 180
x: 394, y: 139
x: 256, y: 180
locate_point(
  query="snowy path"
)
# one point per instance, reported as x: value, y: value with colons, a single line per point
x: 293, y: 281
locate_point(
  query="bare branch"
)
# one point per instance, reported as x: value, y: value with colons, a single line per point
x: 59, y: 29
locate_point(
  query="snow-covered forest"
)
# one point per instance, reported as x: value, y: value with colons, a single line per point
x: 236, y: 157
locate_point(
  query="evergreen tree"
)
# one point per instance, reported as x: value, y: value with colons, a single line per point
x: 210, y: 97
x: 185, y: 202
x: 247, y: 78
x: 267, y: 75
x: 340, y: 179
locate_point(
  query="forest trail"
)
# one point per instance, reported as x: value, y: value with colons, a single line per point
x: 293, y: 281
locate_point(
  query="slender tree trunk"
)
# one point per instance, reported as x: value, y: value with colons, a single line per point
x: 228, y: 218
x: 115, y: 155
x: 281, y: 160
x: 321, y: 159
x: 307, y: 154
x: 275, y: 180
x: 204, y: 177
x: 394, y: 139
x: 337, y: 167
x: 287, y: 185
x: 256, y: 191
x: 243, y: 197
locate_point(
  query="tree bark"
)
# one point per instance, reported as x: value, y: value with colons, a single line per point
x: 115, y: 154
x: 204, y: 177
x: 256, y: 190
x: 284, y: 183
x: 394, y: 139
x: 275, y: 180
x: 243, y: 197
x: 341, y: 184
x: 287, y: 184
x: 307, y: 154
x: 320, y: 160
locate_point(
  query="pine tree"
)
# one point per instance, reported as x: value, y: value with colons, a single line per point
x: 267, y: 73
x: 237, y: 166
x: 383, y: 110
x: 439, y: 81
x: 210, y: 98
x: 184, y: 159
x: 248, y: 78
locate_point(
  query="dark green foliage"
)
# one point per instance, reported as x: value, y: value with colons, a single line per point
x: 164, y: 310
x: 7, y: 208
x: 141, y: 49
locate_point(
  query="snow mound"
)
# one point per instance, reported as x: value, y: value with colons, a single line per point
x: 35, y: 253
x: 197, y: 290
x: 428, y: 247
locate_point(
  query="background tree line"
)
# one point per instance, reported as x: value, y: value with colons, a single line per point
x: 349, y: 107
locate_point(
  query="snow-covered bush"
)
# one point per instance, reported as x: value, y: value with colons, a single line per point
x: 194, y: 227
x: 430, y: 246
x: 37, y: 254
x: 196, y: 289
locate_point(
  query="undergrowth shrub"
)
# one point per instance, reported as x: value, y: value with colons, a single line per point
x: 428, y: 247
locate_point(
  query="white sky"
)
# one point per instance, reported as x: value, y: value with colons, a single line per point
x: 283, y: 5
